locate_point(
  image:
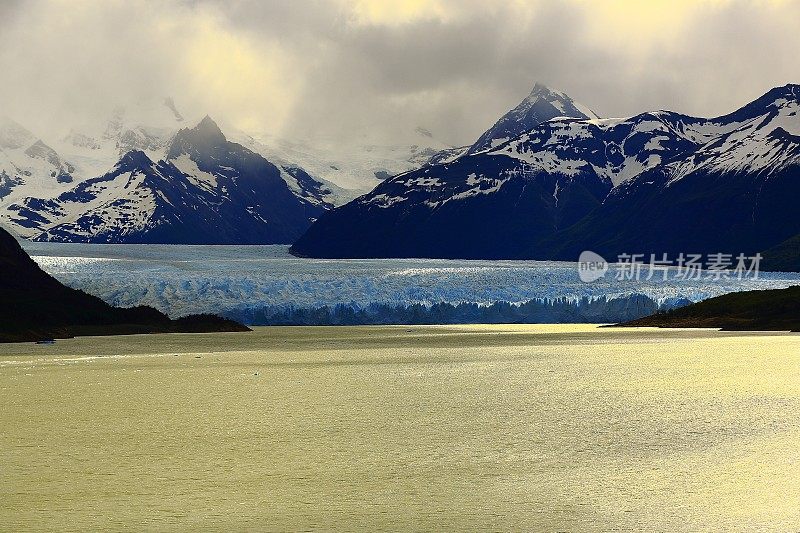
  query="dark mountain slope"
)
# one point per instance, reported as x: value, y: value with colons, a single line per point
x: 770, y: 310
x: 451, y: 212
x: 207, y: 190
x: 34, y: 306
x: 658, y: 182
x: 784, y: 257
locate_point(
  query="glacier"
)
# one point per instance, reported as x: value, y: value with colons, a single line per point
x: 262, y: 285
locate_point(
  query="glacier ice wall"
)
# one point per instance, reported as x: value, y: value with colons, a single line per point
x: 265, y: 285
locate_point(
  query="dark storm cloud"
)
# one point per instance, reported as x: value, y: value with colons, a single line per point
x: 378, y: 69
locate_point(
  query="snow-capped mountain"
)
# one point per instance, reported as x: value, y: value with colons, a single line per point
x: 26, y: 162
x: 352, y: 168
x: 23, y: 155
x: 542, y: 104
x: 322, y: 172
x: 653, y: 182
x: 33, y: 176
x: 206, y: 190
x: 147, y: 125
x: 150, y: 125
x: 737, y: 192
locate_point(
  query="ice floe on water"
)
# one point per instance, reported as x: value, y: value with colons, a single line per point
x: 264, y: 284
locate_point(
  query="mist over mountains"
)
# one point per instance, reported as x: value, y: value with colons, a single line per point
x: 549, y: 179
x: 152, y: 175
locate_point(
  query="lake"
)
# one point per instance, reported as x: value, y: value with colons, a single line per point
x: 527, y: 427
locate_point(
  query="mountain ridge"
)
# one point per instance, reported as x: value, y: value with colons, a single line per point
x: 207, y: 190
x: 635, y: 169
x: 541, y: 105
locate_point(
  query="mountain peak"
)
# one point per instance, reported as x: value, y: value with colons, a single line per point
x: 540, y: 89
x: 768, y: 101
x: 135, y: 159
x: 559, y: 100
x: 40, y: 150
x: 542, y: 104
x: 202, y: 138
x: 790, y: 91
x: 14, y: 135
x: 209, y: 129
x: 207, y: 122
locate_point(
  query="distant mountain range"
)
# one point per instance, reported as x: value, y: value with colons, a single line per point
x: 144, y: 176
x: 658, y: 182
x: 205, y: 190
x: 356, y: 165
x: 547, y: 181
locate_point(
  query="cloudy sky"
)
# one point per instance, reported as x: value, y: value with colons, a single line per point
x: 378, y: 68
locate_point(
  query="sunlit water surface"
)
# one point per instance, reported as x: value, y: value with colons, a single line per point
x: 538, y: 428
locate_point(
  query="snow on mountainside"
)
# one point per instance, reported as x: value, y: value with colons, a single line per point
x: 33, y: 175
x: 26, y: 162
x: 761, y: 136
x: 546, y: 193
x: 355, y: 167
x: 34, y: 172
x: 206, y: 190
x: 737, y: 192
x: 542, y: 104
x: 147, y: 125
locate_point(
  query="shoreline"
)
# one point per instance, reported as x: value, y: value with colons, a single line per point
x: 298, y: 338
